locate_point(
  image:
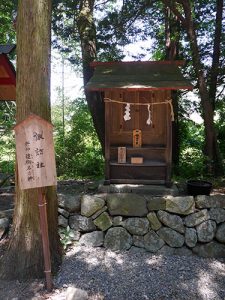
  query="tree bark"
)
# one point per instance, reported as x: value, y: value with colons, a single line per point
x: 24, y: 258
x: 172, y: 39
x: 87, y: 32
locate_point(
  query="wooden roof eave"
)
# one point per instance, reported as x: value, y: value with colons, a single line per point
x: 190, y: 88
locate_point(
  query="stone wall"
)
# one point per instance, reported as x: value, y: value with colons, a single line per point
x: 164, y: 225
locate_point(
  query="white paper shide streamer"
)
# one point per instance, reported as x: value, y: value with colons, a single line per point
x: 127, y: 116
x: 149, y: 121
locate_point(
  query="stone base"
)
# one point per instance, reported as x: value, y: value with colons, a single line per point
x: 152, y: 190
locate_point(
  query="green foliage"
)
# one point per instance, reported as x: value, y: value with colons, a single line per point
x: 78, y: 152
x: 7, y: 143
x: 67, y: 237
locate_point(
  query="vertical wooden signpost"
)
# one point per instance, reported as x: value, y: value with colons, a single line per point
x: 37, y: 169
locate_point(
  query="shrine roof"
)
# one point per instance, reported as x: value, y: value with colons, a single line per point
x: 147, y: 75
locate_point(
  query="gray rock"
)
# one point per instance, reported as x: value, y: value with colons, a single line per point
x: 117, y: 221
x: 81, y: 223
x: 212, y: 249
x: 63, y: 212
x: 190, y: 237
x: 172, y: 221
x: 196, y: 218
x: 155, y: 224
x: 138, y: 241
x: 92, y: 239
x: 62, y: 221
x: 152, y: 241
x: 220, y: 234
x: 91, y: 204
x: 180, y: 205
x: 127, y: 205
x: 103, y: 222
x: 117, y: 238
x: 217, y: 214
x: 183, y: 251
x: 135, y: 250
x: 166, y: 250
x: 136, y: 226
x: 206, y: 231
x: 6, y: 213
x: 99, y: 212
x: 203, y: 201
x: 156, y: 203
x: 69, y: 202
x: 73, y: 293
x: 4, y: 224
x: 171, y: 237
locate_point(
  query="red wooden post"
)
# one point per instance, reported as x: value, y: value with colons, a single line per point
x: 45, y: 239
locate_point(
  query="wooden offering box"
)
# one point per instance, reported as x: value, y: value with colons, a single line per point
x: 138, y: 116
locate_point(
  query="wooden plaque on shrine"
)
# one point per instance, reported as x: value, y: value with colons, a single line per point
x: 137, y: 138
x: 122, y: 155
x: 35, y: 153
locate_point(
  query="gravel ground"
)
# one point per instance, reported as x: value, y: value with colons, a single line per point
x: 128, y: 275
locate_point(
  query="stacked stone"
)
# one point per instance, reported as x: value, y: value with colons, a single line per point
x: 163, y: 225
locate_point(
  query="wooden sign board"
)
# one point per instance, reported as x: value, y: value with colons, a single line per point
x: 122, y: 156
x: 35, y: 153
x: 137, y: 138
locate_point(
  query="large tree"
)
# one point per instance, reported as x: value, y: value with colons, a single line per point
x: 24, y: 258
x: 184, y: 11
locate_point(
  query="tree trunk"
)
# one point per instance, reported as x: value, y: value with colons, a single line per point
x: 213, y: 162
x: 87, y: 32
x: 24, y: 258
x: 172, y: 39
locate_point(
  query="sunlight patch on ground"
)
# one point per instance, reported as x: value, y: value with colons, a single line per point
x: 154, y: 260
x: 206, y: 287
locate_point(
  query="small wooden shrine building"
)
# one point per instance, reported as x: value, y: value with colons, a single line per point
x: 138, y: 116
x: 7, y: 75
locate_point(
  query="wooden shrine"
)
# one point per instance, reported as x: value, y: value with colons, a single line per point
x: 138, y: 117
x: 7, y: 75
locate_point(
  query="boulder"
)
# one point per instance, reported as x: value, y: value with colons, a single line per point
x: 180, y: 205
x: 217, y: 214
x: 203, y: 201
x: 137, y: 226
x: 81, y: 223
x: 171, y: 237
x: 220, y: 234
x: 166, y: 250
x: 69, y: 202
x: 138, y: 241
x: 117, y: 238
x: 154, y: 222
x: 117, y: 221
x: 103, y: 222
x: 212, y: 249
x: 73, y: 293
x: 173, y: 221
x: 135, y: 250
x: 127, y: 205
x: 92, y: 239
x: 156, y: 203
x: 91, y: 204
x: 183, y: 251
x: 63, y: 212
x: 152, y: 241
x: 62, y: 221
x: 4, y: 224
x: 99, y: 212
x: 190, y: 237
x: 206, y: 231
x: 196, y: 218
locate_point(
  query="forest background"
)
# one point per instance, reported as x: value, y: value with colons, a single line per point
x: 83, y: 31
